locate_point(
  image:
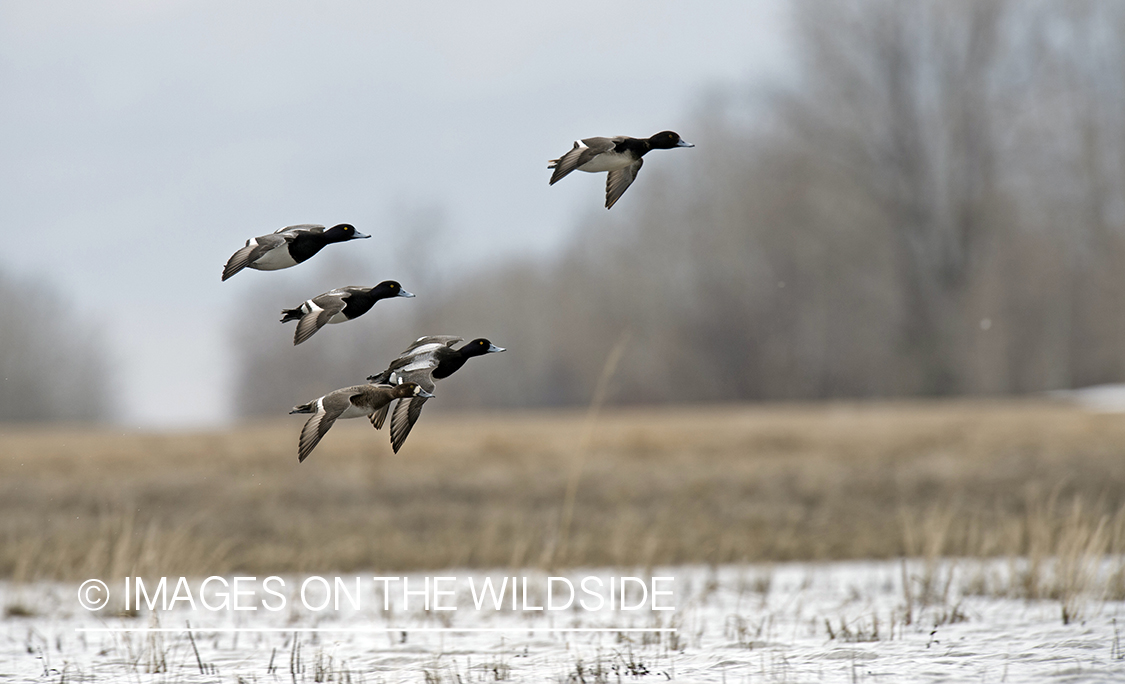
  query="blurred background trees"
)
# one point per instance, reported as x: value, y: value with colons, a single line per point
x: 935, y: 206
x: 929, y: 201
x: 52, y: 364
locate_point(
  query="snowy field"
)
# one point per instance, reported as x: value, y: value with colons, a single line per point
x: 839, y: 622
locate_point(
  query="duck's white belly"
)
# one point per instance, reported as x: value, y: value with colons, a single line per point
x: 275, y: 259
x: 607, y: 161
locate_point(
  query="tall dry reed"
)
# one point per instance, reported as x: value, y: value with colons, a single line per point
x: 708, y: 484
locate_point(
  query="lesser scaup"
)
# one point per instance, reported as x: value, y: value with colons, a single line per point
x: 337, y: 306
x: 287, y: 247
x: 620, y: 156
x: 428, y: 360
x: 349, y: 402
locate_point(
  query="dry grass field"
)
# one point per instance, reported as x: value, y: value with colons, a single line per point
x: 702, y: 484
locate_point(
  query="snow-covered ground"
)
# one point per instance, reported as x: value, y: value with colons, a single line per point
x: 838, y: 622
x: 1096, y: 398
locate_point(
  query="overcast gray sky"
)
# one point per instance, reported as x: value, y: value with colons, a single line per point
x: 143, y: 142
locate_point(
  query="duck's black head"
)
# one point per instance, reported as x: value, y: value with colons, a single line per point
x: 342, y: 233
x: 410, y: 389
x: 480, y: 347
x: 390, y: 288
x: 666, y: 140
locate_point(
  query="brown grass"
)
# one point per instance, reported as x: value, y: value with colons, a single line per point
x: 689, y: 485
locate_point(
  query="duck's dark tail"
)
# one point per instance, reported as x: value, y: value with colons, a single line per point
x: 291, y: 315
x: 305, y: 408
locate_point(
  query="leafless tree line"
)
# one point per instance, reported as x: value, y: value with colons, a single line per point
x: 52, y: 366
x: 934, y: 205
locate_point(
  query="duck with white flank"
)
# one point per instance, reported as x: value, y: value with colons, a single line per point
x: 339, y: 305
x: 620, y: 156
x: 349, y: 402
x: 428, y: 360
x: 288, y: 247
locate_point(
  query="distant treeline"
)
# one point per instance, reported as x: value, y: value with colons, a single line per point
x: 52, y: 365
x: 932, y: 204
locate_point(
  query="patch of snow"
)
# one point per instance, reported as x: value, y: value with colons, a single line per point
x: 830, y: 622
x: 1109, y: 398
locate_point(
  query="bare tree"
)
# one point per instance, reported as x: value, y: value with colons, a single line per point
x: 935, y: 205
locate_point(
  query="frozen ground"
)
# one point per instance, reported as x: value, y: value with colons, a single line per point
x: 839, y: 622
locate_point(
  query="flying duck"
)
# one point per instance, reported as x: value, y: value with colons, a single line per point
x: 287, y: 247
x: 339, y: 305
x: 620, y: 156
x: 428, y: 360
x: 349, y: 402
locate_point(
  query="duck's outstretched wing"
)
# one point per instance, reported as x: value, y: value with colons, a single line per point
x: 415, y: 364
x: 429, y: 343
x: 380, y: 417
x: 582, y: 152
x: 417, y: 357
x: 421, y: 373
x: 255, y: 248
x: 321, y: 309
x: 403, y: 419
x: 328, y: 409
x: 239, y: 259
x: 617, y: 182
x: 293, y: 231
